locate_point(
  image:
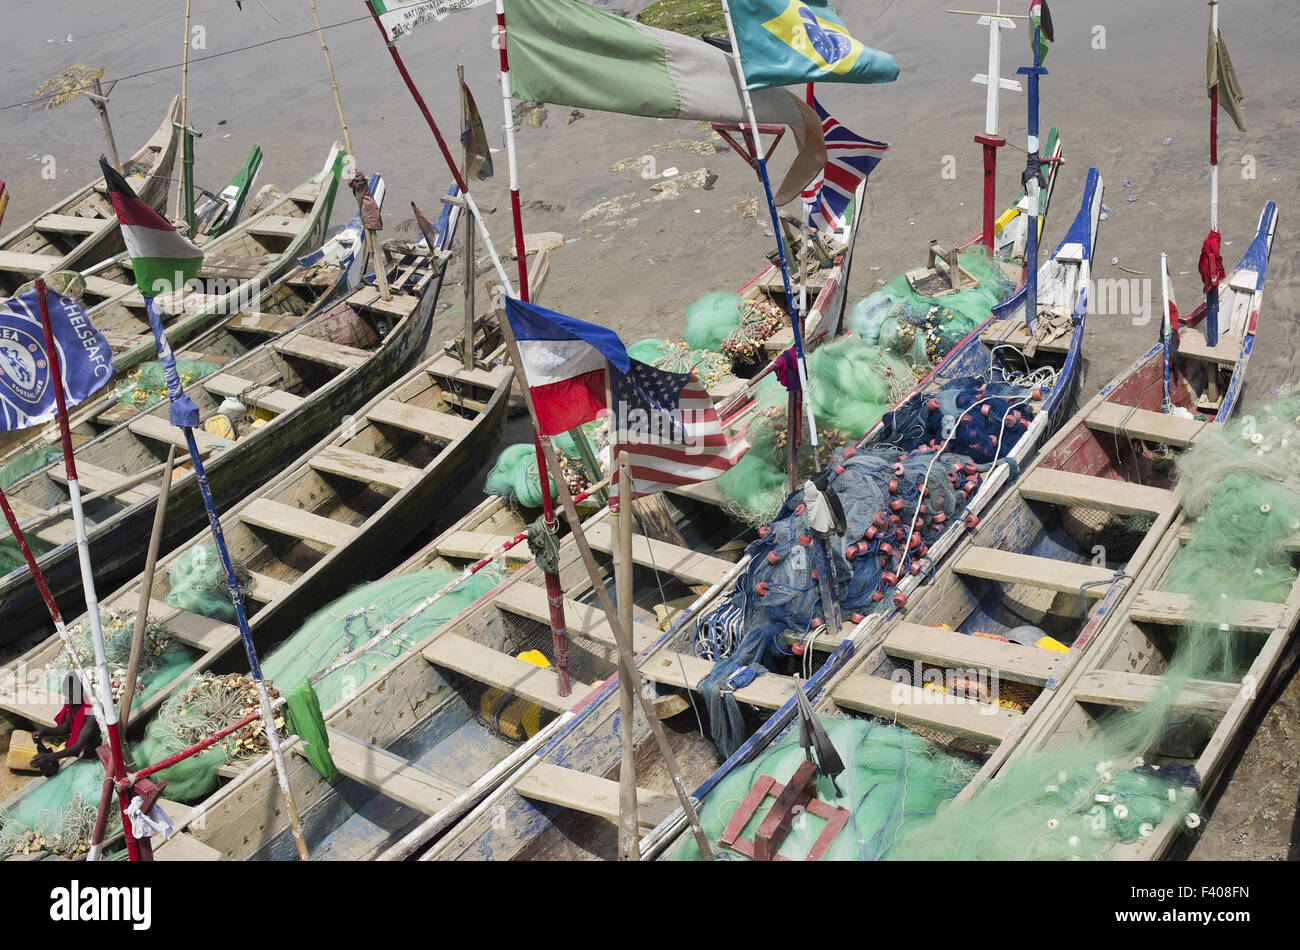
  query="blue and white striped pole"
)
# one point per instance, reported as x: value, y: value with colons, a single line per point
x: 1032, y: 179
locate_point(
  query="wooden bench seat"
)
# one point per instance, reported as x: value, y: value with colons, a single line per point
x: 257, y: 394
x: 266, y: 589
x: 536, y: 684
x: 295, y: 522
x: 70, y: 224
x: 258, y: 322
x: 361, y: 467
x: 770, y: 691
x: 688, y: 565
x: 390, y: 774
x: 1091, y: 491
x: 160, y: 429
x: 473, y: 545
x: 96, y: 479
x: 202, y: 633
x: 183, y: 846
x: 276, y: 225
x: 1010, y: 567
x: 1144, y: 424
x: 445, y: 367
x: 1116, y: 688
x: 1192, y: 346
x: 321, y: 351
x: 591, y: 794
x: 913, y: 706
x: 948, y: 648
x: 1013, y: 332
x: 33, y: 265
x: 1177, y: 610
x: 444, y: 426
x: 587, y: 620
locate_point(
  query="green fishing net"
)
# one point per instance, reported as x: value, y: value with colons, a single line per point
x: 851, y: 386
x: 1102, y: 790
x: 711, y: 319
x: 676, y: 356
x: 647, y: 350
x: 11, y: 559
x: 148, y: 384
x: 923, y: 330
x: 514, y: 475
x: 28, y: 462
x: 57, y: 814
x: 198, y: 583
x: 203, y: 706
x: 892, y: 783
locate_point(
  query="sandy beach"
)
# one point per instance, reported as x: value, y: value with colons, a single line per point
x: 1124, y: 79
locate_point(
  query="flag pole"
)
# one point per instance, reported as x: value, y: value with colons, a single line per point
x: 185, y: 187
x: 1032, y: 179
x: 554, y: 590
x: 629, y: 829
x: 446, y: 153
x: 470, y: 271
x: 776, y: 230
x: 1212, y: 294
x: 622, y: 636
x: 106, y: 706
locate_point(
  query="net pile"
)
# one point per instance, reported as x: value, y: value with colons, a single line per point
x: 711, y: 319
x: 514, y: 475
x: 892, y: 783
x: 851, y: 386
x: 676, y: 356
x: 923, y: 330
x: 1104, y: 790
x: 57, y: 815
x: 148, y: 384
x: 162, y: 659
x: 28, y: 462
x: 198, y: 583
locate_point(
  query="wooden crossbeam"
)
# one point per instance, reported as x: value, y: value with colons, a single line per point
x: 251, y: 393
x: 666, y: 558
x: 321, y: 351
x: 910, y: 705
x: 69, y: 224
x: 536, y: 684
x: 586, y: 620
x: 472, y: 545
x: 160, y: 429
x: 1116, y: 688
x: 361, y: 467
x: 286, y: 519
x: 202, y: 633
x: 591, y: 794
x: 1178, y: 610
x: 948, y: 648
x: 1144, y: 424
x: 769, y: 691
x: 1091, y: 491
x: 1011, y: 567
x: 445, y: 426
x: 390, y: 775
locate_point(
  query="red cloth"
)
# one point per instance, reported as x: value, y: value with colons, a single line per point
x: 1211, y: 263
x: 78, y: 720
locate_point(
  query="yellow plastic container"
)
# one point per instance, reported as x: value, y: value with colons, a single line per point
x: 516, y: 718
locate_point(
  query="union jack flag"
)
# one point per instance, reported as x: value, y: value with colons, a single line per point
x: 849, y: 159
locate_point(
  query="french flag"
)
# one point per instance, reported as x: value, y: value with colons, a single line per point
x: 566, y: 363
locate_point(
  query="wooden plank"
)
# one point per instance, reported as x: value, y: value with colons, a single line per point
x: 666, y: 558
x: 97, y: 479
x: 295, y: 522
x: 534, y: 683
x: 276, y: 225
x: 472, y: 545
x: 258, y: 322
x: 706, y: 492
x: 69, y: 224
x: 948, y: 648
x: 401, y: 305
x: 361, y: 467
x: 321, y: 351
x: 1014, y: 333
x: 769, y: 691
x: 183, y: 846
x: 910, y: 705
x: 33, y: 703
x: 160, y: 429
x: 591, y: 794
x: 33, y: 265
x: 1144, y: 424
x: 588, y: 620
x: 250, y: 393
x: 1010, y: 567
x: 202, y: 633
x: 447, y: 368
x: 1192, y: 346
x: 1176, y: 610
x: 267, y: 589
x: 389, y: 774
x: 444, y: 426
x: 1117, y: 688
x: 1091, y: 491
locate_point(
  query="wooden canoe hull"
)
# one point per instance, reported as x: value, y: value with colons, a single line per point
x: 117, y: 546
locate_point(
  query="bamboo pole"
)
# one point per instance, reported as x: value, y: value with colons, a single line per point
x: 372, y: 238
x: 629, y: 829
x: 146, y: 588
x: 622, y: 636
x: 185, y: 185
x: 100, y: 99
x: 471, y: 273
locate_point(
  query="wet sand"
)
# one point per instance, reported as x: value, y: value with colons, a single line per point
x: 635, y: 257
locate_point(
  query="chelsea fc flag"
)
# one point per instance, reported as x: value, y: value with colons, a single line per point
x: 785, y: 42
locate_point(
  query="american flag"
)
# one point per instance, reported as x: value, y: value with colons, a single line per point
x: 667, y: 425
x: 849, y: 159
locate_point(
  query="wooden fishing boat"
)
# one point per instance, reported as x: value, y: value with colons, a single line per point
x: 356, y: 497
x: 968, y: 667
x: 218, y: 213
x: 532, y: 814
x: 303, y: 380
x: 82, y: 229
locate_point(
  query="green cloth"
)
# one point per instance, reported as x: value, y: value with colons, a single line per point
x: 303, y: 716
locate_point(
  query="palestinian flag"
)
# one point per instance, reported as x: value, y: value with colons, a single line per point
x: 163, y: 260
x: 1041, y: 33
x: 478, y: 155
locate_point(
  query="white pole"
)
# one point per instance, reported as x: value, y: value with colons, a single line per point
x: 1214, y: 165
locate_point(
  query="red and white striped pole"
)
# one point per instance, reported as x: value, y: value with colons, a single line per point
x: 108, y: 709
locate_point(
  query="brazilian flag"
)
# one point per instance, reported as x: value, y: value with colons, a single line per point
x: 788, y: 42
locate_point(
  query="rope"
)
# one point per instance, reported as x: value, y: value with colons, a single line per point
x: 544, y: 546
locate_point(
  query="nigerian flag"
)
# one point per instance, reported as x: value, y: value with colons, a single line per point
x: 786, y: 42
x: 163, y: 260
